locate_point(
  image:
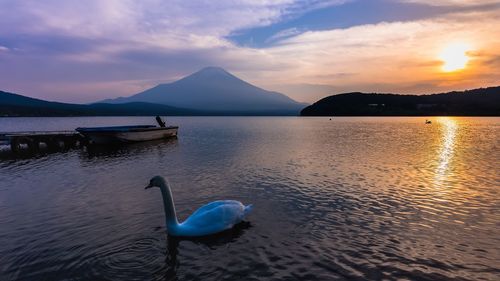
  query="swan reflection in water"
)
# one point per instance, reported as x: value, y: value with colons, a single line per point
x: 212, y: 242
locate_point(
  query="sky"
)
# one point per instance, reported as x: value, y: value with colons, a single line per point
x: 85, y: 51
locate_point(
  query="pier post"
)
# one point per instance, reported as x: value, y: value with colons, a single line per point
x: 16, y: 142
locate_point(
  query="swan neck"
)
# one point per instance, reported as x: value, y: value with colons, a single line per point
x: 168, y: 204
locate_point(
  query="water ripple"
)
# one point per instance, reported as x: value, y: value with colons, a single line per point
x: 347, y: 199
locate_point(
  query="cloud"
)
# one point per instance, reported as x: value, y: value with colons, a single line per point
x: 284, y: 34
x: 398, y: 52
x: 110, y: 48
x: 115, y: 26
x: 452, y: 2
x: 149, y: 17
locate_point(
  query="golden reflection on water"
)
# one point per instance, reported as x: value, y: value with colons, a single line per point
x: 449, y: 127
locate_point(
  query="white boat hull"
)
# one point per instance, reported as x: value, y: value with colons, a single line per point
x: 139, y: 135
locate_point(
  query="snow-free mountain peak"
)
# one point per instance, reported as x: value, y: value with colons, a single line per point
x: 215, y: 89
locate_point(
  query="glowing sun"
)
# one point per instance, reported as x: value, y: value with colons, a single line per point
x: 454, y: 57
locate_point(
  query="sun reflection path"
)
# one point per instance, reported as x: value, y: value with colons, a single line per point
x: 449, y: 132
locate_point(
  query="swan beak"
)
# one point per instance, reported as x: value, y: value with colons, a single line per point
x: 149, y: 186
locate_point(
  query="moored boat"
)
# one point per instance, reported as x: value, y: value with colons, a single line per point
x: 125, y: 134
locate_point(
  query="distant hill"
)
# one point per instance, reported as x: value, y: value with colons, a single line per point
x: 477, y: 102
x: 18, y: 105
x: 216, y: 90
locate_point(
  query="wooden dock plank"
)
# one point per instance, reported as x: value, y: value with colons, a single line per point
x: 39, y: 133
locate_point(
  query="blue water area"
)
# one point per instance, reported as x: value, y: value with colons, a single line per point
x: 339, y: 199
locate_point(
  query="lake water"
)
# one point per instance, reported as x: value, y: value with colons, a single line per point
x: 340, y: 199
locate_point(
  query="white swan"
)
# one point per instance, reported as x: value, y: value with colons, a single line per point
x: 209, y: 219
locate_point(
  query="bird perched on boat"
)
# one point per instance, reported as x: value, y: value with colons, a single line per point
x: 209, y: 219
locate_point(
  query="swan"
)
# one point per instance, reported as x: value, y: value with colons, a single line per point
x: 212, y: 218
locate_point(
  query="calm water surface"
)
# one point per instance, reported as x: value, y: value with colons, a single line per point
x: 346, y: 199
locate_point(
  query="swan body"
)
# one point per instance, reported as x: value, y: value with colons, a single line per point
x: 209, y: 219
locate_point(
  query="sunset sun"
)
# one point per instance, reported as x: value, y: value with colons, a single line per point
x: 454, y: 57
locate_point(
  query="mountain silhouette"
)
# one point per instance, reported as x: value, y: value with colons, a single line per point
x: 476, y: 102
x: 216, y: 90
x: 18, y: 105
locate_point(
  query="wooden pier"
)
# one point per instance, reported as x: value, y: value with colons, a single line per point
x: 30, y: 141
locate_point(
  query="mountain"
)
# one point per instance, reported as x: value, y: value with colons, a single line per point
x: 18, y: 105
x: 477, y: 102
x: 216, y: 90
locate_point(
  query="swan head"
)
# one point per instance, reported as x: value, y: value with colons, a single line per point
x: 157, y: 181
